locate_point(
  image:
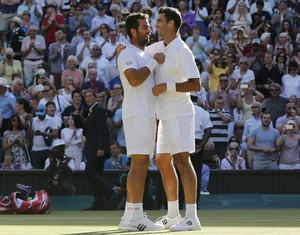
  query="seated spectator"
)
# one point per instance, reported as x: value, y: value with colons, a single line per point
x: 242, y: 17
x: 241, y: 38
x: 117, y: 160
x: 37, y: 95
x: 234, y: 161
x: 284, y: 42
x: 74, y: 139
x: 294, y: 99
x: 50, y: 111
x: 118, y: 125
x: 291, y: 81
x: 289, y: 141
x: 14, y: 140
x: 66, y: 91
x: 8, y: 162
x: 281, y: 61
x: 116, y: 99
x: 215, y: 42
x: 18, y: 89
x: 59, y: 170
x: 204, y: 180
x: 72, y: 71
x: 92, y: 82
x: 262, y: 141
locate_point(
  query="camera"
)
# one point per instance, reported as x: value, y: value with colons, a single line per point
x: 244, y: 86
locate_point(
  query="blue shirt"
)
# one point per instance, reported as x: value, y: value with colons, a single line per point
x: 121, y: 135
x: 108, y: 165
x: 7, y: 105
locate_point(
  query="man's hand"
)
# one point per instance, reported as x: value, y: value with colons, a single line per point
x: 120, y: 48
x: 159, y: 57
x: 159, y: 89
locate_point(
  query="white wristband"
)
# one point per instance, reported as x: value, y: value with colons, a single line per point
x: 171, y: 86
x: 151, y: 65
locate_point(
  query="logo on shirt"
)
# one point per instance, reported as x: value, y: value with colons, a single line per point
x: 128, y: 63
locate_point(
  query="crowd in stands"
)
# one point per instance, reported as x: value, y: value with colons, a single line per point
x: 247, y: 52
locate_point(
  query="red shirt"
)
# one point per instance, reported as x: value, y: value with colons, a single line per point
x: 50, y: 33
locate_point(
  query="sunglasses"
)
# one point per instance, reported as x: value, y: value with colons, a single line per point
x: 15, y: 120
x: 243, y: 63
x: 239, y: 128
x: 236, y: 149
x: 293, y: 69
x: 223, y: 80
x: 254, y: 107
x: 96, y: 49
x: 274, y: 90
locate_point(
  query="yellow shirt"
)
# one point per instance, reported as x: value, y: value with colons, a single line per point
x: 8, y: 70
x: 214, y: 77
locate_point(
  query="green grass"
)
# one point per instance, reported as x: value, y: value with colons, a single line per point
x: 214, y: 222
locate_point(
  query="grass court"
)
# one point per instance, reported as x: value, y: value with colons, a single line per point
x: 214, y: 222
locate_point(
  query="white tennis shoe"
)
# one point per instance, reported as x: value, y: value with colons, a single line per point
x: 187, y: 224
x: 144, y: 224
x: 167, y: 222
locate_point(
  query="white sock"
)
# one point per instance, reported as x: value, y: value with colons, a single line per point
x: 191, y: 211
x: 137, y: 210
x: 173, y: 209
x: 128, y: 211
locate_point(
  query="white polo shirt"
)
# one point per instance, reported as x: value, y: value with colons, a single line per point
x: 38, y: 125
x: 202, y: 122
x: 179, y: 66
x: 138, y: 101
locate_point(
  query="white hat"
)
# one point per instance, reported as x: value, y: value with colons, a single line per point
x: 40, y: 72
x: 17, y: 20
x: 3, y: 82
x: 115, y: 7
x: 38, y: 88
x: 256, y: 40
x: 9, y: 51
x: 58, y: 142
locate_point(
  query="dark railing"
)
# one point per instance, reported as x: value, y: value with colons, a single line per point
x: 221, y: 182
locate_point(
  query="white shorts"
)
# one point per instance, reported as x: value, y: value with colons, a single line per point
x: 176, y: 135
x: 140, y: 135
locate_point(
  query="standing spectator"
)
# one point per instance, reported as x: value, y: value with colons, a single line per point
x: 9, y: 66
x: 116, y: 99
x: 290, y: 114
x: 14, y: 140
x: 51, y: 23
x: 44, y: 130
x: 72, y: 71
x: 291, y: 81
x: 92, y: 83
x: 76, y: 19
x: 215, y: 42
x: 280, y: 15
x: 8, y: 162
x: 59, y: 52
x: 219, y: 133
x: 7, y: 104
x: 275, y: 104
x: 37, y: 95
x: 289, y: 141
x: 74, y: 108
x: 201, y: 16
x: 109, y: 50
x: 102, y: 18
x: 89, y: 12
x: 74, y: 139
x: 97, y: 149
x: 187, y: 16
x: 34, y: 9
x: 242, y: 17
x: 59, y: 169
x: 233, y: 161
x: 33, y: 49
x: 50, y: 94
x: 117, y: 160
x: 261, y: 16
x: 83, y: 49
x: 16, y: 36
x: 262, y: 141
x: 118, y: 125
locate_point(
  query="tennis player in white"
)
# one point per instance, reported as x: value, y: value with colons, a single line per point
x: 176, y: 130
x: 138, y: 114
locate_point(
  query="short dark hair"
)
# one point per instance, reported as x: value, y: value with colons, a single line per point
x: 91, y: 91
x: 266, y: 113
x: 115, y: 143
x: 77, y: 120
x: 132, y: 22
x: 172, y: 13
x: 50, y: 103
x: 76, y: 91
x: 260, y: 3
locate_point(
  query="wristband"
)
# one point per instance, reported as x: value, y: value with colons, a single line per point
x: 171, y: 86
x: 151, y: 65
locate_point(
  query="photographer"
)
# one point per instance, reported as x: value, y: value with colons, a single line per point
x: 59, y: 169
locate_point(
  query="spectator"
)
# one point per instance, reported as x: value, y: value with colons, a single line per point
x: 289, y: 141
x: 291, y: 81
x: 89, y: 12
x: 237, y: 134
x: 109, y: 50
x: 14, y: 140
x: 228, y: 95
x: 50, y: 111
x: 260, y: 16
x: 74, y: 139
x: 245, y: 103
x: 219, y: 133
x: 215, y: 42
x: 74, y: 108
x: 23, y: 109
x: 262, y: 141
x: 103, y: 36
x: 218, y: 22
x: 16, y: 36
x: 44, y: 130
x: 18, y: 89
x: 100, y: 19
x: 76, y: 19
x: 59, y: 170
x: 117, y: 160
x: 268, y: 74
x: 290, y: 114
x: 204, y: 180
x: 201, y: 16
x: 10, y: 66
x: 83, y: 49
x: 8, y: 162
x: 281, y: 61
x: 233, y: 161
x: 196, y: 43
x: 186, y: 15
x: 241, y: 38
x: 243, y: 75
x: 7, y: 104
x: 34, y: 9
x: 92, y: 83
x: 50, y: 94
x: 59, y: 53
x: 78, y: 38
x: 26, y: 22
x: 72, y: 70
x: 232, y: 8
x: 116, y: 99
x: 242, y: 17
x: 294, y: 99
x: 280, y: 15
x: 118, y: 125
x: 266, y: 42
x: 33, y: 49
x: 37, y: 95
x: 66, y: 91
x: 52, y: 22
x: 284, y: 41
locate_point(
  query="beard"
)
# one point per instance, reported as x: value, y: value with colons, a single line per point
x: 142, y: 39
